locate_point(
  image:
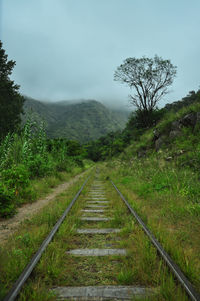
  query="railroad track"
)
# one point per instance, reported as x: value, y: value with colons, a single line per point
x: 99, y: 251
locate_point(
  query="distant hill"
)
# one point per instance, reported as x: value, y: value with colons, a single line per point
x: 83, y: 121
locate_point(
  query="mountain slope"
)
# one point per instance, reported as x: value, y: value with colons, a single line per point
x: 82, y: 121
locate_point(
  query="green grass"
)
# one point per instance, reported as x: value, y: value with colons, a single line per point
x: 22, y: 245
x: 166, y: 198
x: 165, y: 124
x: 140, y: 267
x: 44, y: 185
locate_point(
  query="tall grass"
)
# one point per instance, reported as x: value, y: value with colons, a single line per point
x: 167, y: 199
x: 26, y: 156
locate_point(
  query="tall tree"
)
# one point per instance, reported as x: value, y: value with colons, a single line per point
x: 150, y: 78
x: 11, y: 102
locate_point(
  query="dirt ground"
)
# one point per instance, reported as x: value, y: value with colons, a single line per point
x: 9, y: 226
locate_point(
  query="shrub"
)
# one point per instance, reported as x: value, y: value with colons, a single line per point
x: 16, y: 178
x: 7, y: 206
x: 39, y: 166
x: 78, y: 161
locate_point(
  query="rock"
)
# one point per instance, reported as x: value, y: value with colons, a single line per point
x: 174, y: 133
x: 198, y: 118
x: 156, y: 134
x: 169, y: 158
x: 180, y: 152
x: 141, y: 153
x: 158, y: 143
x: 189, y: 119
x: 175, y: 129
x: 176, y: 125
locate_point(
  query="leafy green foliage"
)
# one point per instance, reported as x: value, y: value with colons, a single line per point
x: 30, y: 155
x: 7, y: 206
x: 143, y: 120
x: 39, y: 167
x: 16, y: 177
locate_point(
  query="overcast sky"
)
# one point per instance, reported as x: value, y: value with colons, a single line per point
x: 69, y: 49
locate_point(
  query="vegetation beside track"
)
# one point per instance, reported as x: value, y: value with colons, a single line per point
x: 30, y: 164
x: 140, y: 267
x: 18, y: 251
x: 160, y: 194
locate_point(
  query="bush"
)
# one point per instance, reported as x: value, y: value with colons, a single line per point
x: 78, y: 161
x: 16, y: 178
x: 146, y: 119
x: 7, y: 206
x: 39, y: 166
x: 63, y: 162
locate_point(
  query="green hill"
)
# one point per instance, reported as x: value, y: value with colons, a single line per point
x: 83, y: 121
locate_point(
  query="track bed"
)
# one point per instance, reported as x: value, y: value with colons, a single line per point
x: 101, y: 253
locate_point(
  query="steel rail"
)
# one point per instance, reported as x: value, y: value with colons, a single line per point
x: 12, y: 294
x: 193, y: 294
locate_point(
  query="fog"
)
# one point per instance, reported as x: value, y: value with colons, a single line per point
x: 69, y: 49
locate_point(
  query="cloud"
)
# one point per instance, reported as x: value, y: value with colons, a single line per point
x: 67, y: 49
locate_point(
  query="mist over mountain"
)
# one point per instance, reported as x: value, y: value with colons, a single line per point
x: 80, y: 120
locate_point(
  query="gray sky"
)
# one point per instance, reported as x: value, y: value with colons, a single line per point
x: 69, y: 49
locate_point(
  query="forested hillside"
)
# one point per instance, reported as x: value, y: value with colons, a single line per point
x: 83, y: 121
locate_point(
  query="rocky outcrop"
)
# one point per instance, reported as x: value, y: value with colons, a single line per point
x: 176, y: 127
x: 189, y: 120
x: 141, y: 153
x: 156, y: 134
x: 198, y: 118
x: 158, y: 143
x: 174, y: 133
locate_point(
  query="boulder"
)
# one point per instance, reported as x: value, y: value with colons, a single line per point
x: 198, y: 118
x: 189, y: 119
x: 180, y: 152
x: 141, y: 154
x: 176, y: 125
x: 175, y: 133
x: 158, y: 143
x: 168, y: 158
x: 156, y: 134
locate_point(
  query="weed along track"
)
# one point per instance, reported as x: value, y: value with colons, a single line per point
x: 99, y: 253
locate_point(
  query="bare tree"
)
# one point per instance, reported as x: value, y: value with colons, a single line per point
x: 149, y: 78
